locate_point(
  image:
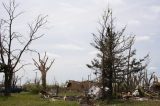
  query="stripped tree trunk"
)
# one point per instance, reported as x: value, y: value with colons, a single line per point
x: 41, y: 66
x: 44, y: 81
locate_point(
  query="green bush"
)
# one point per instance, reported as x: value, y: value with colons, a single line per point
x: 32, y: 88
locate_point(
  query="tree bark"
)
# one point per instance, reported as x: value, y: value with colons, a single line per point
x: 44, y: 81
x: 8, y: 83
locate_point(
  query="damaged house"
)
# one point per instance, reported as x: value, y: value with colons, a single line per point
x: 79, y: 86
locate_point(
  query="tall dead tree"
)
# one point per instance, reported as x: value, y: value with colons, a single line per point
x: 13, y: 44
x: 111, y: 44
x: 42, y: 67
x: 115, y: 61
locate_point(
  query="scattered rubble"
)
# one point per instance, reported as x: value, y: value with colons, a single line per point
x: 86, y: 101
x: 95, y: 92
x: 135, y: 93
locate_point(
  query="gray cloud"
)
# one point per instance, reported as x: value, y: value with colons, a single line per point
x: 71, y: 22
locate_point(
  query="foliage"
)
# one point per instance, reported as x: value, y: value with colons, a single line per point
x: 32, y: 88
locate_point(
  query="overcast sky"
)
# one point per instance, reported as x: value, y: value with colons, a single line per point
x: 70, y: 24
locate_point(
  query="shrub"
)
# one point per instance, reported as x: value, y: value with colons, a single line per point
x: 32, y: 88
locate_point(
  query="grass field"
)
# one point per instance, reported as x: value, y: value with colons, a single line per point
x: 28, y: 99
x: 130, y: 103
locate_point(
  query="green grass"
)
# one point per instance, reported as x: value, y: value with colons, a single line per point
x: 129, y: 103
x: 27, y: 99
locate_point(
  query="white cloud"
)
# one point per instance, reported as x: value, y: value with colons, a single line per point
x: 53, y: 55
x: 68, y: 47
x: 72, y: 22
x: 93, y: 52
x: 134, y: 22
x: 156, y: 9
x: 117, y: 2
x: 142, y: 38
x: 152, y: 68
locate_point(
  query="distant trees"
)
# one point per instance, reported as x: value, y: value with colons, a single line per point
x: 12, y: 44
x: 134, y: 67
x: 115, y: 62
x: 41, y: 65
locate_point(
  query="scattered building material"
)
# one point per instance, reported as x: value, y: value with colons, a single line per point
x: 95, y: 92
x: 135, y: 93
x: 79, y: 86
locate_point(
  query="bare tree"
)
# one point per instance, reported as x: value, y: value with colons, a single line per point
x: 134, y: 66
x: 41, y: 66
x: 15, y: 79
x: 12, y: 44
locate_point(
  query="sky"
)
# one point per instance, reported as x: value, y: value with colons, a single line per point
x: 68, y: 33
